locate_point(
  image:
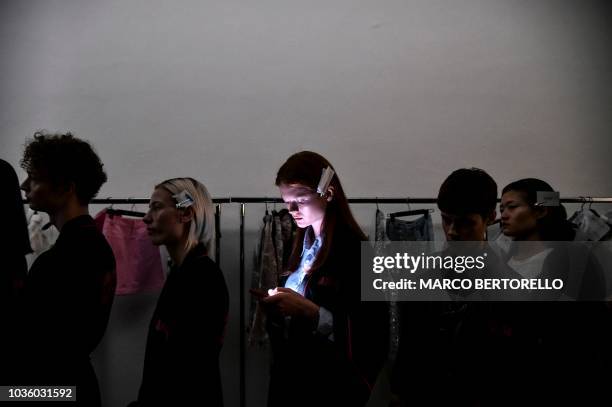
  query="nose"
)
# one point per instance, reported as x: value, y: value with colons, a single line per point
x: 25, y: 185
x: 292, y: 206
x: 451, y: 231
x: 147, y: 218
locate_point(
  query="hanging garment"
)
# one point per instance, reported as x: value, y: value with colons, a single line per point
x: 42, y: 235
x: 264, y: 276
x: 419, y: 230
x: 591, y: 227
x: 394, y: 229
x: 270, y: 260
x: 139, y: 266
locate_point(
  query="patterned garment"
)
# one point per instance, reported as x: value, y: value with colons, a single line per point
x: 393, y: 229
x: 591, y: 227
x: 270, y: 259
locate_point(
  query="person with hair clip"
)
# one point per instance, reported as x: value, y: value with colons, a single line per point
x: 564, y: 344
x: 188, y: 325
x: 327, y: 345
x: 534, y: 227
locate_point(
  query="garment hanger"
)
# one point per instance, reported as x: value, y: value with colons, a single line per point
x: 123, y: 212
x: 591, y: 200
x: 410, y: 212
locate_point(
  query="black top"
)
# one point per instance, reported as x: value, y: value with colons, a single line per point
x: 14, y: 228
x: 310, y: 368
x: 14, y: 245
x: 14, y: 239
x: 502, y: 353
x: 68, y: 297
x: 186, y: 335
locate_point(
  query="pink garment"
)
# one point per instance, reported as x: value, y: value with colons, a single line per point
x: 139, y: 266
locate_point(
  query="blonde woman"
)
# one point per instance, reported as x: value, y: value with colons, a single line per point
x: 186, y: 331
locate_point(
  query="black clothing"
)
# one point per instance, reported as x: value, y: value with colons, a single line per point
x: 14, y: 245
x: 310, y: 369
x: 185, y: 336
x: 68, y: 297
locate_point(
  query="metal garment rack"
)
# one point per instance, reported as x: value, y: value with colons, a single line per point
x: 244, y: 200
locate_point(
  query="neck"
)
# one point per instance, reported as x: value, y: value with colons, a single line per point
x: 177, y: 252
x: 526, y: 250
x: 316, y: 228
x: 69, y: 212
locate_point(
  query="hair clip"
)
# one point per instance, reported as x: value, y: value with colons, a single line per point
x: 183, y: 199
x: 326, y: 177
x: 547, y: 198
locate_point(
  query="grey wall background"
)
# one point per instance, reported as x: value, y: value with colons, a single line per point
x: 396, y: 94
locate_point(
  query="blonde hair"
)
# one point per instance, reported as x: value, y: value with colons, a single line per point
x: 202, y: 227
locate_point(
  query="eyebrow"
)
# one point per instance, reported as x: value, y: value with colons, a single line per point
x: 300, y: 193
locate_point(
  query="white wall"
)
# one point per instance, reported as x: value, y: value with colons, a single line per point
x: 395, y: 93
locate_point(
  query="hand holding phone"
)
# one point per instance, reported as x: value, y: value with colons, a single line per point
x: 259, y: 293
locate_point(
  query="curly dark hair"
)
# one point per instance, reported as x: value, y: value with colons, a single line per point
x: 62, y: 159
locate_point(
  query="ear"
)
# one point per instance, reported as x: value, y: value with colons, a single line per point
x: 186, y: 215
x: 67, y: 189
x: 329, y: 195
x: 541, y: 212
x: 491, y: 218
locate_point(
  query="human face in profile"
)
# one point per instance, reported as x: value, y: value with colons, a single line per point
x: 519, y: 220
x: 163, y: 219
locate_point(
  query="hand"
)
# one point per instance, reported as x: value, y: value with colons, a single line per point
x: 290, y: 303
x: 258, y: 293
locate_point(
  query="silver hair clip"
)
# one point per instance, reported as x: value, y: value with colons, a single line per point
x: 547, y: 198
x: 325, y: 180
x: 183, y: 199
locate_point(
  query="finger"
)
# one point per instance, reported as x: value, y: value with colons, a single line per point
x: 272, y: 299
x: 257, y: 293
x: 284, y: 290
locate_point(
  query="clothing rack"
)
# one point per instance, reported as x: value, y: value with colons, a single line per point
x: 244, y: 200
x: 372, y: 200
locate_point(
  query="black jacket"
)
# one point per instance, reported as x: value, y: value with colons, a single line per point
x: 185, y: 336
x: 504, y: 353
x: 309, y: 368
x: 68, y: 296
x: 14, y: 245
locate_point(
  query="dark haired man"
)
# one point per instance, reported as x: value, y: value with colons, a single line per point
x: 450, y: 352
x: 70, y: 288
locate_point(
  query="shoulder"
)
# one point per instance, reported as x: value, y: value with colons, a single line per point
x: 202, y: 269
x: 346, y: 238
x: 85, y: 241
